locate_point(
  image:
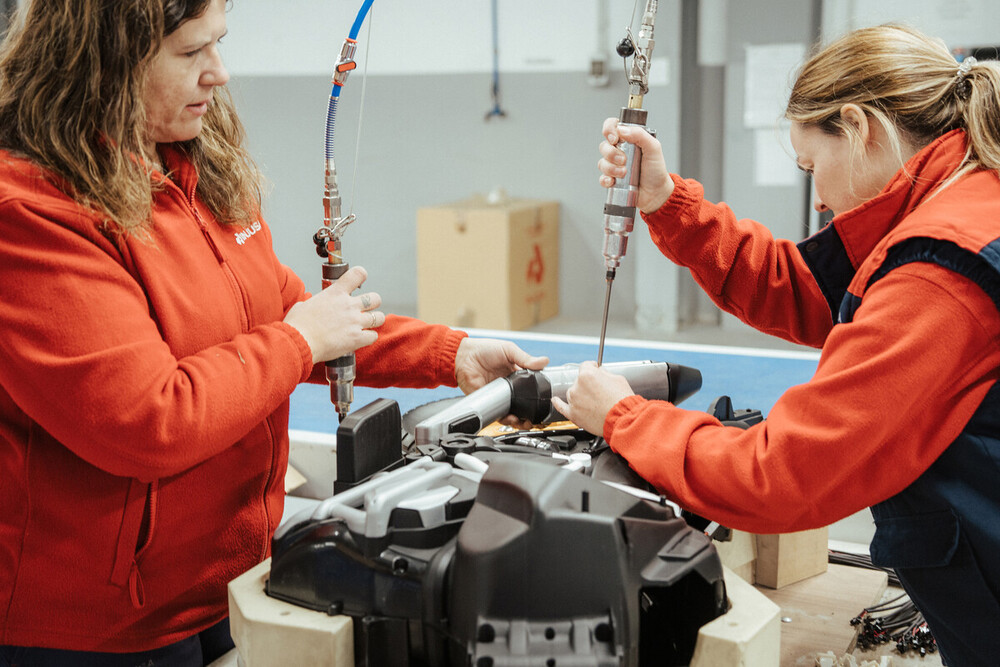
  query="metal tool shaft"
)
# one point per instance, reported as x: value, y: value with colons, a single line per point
x: 604, y: 319
x: 340, y: 372
x: 623, y: 196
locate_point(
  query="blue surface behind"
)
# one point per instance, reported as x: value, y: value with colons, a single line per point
x: 753, y: 378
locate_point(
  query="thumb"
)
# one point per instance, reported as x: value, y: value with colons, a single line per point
x: 562, y: 407
x: 515, y: 355
x: 533, y: 363
x: 352, y: 279
x: 638, y: 136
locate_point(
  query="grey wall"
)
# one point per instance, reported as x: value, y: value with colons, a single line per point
x: 7, y: 7
x: 424, y: 141
x: 784, y: 209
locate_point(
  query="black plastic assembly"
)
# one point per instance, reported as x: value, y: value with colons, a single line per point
x: 534, y: 548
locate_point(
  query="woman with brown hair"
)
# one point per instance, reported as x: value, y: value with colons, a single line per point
x: 901, y: 291
x: 150, y: 338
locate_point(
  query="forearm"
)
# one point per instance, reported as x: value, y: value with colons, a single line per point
x: 409, y: 353
x: 884, y: 397
x: 741, y: 266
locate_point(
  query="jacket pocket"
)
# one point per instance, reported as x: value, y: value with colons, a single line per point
x: 923, y: 540
x: 135, y: 533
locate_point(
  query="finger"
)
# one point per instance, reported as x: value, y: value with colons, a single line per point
x: 611, y: 153
x: 352, y: 279
x: 562, y: 407
x: 638, y: 136
x: 516, y: 423
x: 535, y: 363
x: 370, y: 300
x: 524, y: 360
x: 613, y: 168
x: 608, y: 171
x: 367, y: 338
x: 609, y: 130
x: 373, y: 319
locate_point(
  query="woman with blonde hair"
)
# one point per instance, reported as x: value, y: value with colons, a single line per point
x: 150, y: 338
x: 901, y: 291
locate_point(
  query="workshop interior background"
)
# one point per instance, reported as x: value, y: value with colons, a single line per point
x: 425, y: 135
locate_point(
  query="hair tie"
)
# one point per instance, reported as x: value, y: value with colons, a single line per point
x: 965, y: 66
x: 962, y: 86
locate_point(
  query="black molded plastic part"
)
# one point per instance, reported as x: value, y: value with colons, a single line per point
x: 368, y: 441
x: 722, y: 409
x: 546, y: 564
x: 685, y: 382
x: 531, y: 395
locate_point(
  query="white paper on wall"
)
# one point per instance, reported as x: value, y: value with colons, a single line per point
x: 770, y: 69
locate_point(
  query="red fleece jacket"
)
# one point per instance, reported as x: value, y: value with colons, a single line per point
x: 893, y: 387
x: 144, y: 388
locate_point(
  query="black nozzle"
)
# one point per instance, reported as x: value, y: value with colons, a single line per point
x: 625, y: 47
x: 320, y: 245
x: 684, y: 382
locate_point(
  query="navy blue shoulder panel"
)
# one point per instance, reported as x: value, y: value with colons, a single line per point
x: 827, y: 259
x: 982, y: 268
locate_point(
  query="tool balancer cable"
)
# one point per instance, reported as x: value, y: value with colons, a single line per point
x: 896, y: 620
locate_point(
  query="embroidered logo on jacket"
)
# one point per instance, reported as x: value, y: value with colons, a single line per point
x: 244, y: 234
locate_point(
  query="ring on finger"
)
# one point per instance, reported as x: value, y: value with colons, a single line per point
x: 374, y: 319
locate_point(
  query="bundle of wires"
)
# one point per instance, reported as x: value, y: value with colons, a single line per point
x: 896, y: 620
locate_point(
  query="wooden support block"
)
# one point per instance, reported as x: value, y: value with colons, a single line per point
x: 749, y: 634
x: 293, y: 479
x: 790, y: 557
x: 270, y: 632
x: 739, y: 554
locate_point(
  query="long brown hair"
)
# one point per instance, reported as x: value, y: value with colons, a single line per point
x: 72, y: 78
x: 909, y: 83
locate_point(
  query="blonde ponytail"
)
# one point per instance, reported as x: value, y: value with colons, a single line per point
x: 909, y: 83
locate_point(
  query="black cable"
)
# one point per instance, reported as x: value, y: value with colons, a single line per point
x: 897, y: 619
x: 859, y: 560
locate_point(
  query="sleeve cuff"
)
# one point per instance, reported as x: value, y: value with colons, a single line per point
x: 619, y: 410
x: 687, y: 194
x: 449, y: 350
x: 301, y: 346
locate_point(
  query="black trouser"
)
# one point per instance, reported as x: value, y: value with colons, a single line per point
x: 195, y: 651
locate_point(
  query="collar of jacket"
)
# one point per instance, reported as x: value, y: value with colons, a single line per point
x: 177, y: 163
x: 836, y: 252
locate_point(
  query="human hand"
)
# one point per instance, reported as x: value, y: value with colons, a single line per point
x: 479, y: 361
x: 333, y: 322
x: 655, y: 184
x: 591, y: 397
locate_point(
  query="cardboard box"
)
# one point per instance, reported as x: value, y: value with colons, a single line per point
x: 488, y: 265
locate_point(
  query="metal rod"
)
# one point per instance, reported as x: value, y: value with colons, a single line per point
x: 604, y: 319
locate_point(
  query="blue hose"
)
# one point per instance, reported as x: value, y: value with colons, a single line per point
x: 331, y: 112
x: 356, y: 28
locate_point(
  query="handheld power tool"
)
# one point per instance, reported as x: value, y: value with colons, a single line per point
x: 619, y: 208
x: 340, y: 372
x: 528, y: 395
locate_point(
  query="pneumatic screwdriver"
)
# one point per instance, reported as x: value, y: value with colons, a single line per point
x: 619, y: 208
